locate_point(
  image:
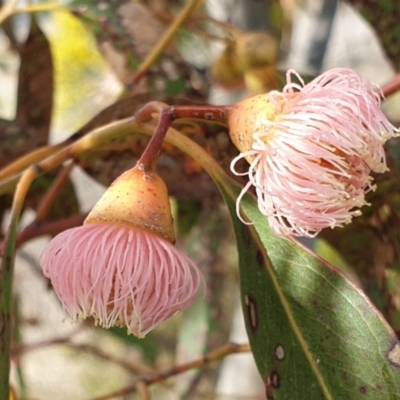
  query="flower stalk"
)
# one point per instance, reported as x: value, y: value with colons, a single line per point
x: 168, y: 114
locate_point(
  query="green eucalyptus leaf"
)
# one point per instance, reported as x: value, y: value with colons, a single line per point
x: 314, y: 334
x: 7, y: 261
x: 188, y: 213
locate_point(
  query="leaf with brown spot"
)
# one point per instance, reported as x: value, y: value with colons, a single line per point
x: 325, y: 325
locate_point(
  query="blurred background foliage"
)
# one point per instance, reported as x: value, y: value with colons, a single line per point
x: 69, y: 67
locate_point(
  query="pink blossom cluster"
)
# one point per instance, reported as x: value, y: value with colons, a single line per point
x: 120, y: 276
x: 311, y: 163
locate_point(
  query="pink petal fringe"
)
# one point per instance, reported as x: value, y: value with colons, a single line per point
x: 120, y: 276
x: 310, y: 166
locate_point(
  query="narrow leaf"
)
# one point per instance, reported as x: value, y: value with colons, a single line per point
x: 314, y: 334
x: 6, y: 311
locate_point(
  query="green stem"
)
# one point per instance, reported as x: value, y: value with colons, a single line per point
x: 6, y: 279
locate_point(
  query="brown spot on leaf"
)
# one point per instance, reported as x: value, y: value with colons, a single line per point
x: 314, y: 303
x: 260, y: 258
x: 275, y: 380
x: 272, y: 382
x: 363, y: 389
x: 251, y: 306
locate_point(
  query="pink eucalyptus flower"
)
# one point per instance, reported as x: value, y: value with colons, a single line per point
x: 120, y: 276
x: 311, y: 149
x: 121, y: 267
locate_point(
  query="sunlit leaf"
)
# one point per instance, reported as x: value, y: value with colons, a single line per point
x: 370, y: 245
x: 77, y: 63
x: 314, y: 334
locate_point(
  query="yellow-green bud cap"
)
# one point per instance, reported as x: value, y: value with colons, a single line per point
x: 138, y: 198
x: 248, y: 117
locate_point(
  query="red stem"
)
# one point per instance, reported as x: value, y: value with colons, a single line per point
x: 391, y: 87
x: 168, y: 114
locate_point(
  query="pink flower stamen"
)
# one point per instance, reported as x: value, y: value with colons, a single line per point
x: 120, y: 276
x: 310, y: 163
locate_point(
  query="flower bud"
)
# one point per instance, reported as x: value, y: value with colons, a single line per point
x: 247, y: 117
x: 226, y: 71
x: 256, y: 49
x: 139, y: 199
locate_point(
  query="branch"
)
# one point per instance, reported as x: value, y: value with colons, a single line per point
x: 220, y: 352
x: 159, y: 48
